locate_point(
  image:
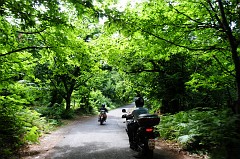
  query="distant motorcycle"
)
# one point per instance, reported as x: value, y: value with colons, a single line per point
x: 102, y: 117
x: 145, y: 135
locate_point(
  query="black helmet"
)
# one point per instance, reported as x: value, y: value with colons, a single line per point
x: 103, y: 105
x: 139, y: 102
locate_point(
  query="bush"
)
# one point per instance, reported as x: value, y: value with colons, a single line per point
x: 19, y: 125
x: 200, y: 129
x: 97, y: 99
x: 55, y: 112
x: 67, y: 114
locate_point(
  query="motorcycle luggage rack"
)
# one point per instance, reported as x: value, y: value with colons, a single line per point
x: 148, y: 120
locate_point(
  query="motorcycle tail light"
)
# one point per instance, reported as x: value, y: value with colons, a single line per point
x: 149, y: 129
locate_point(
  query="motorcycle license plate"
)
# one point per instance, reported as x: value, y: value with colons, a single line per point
x: 151, y: 144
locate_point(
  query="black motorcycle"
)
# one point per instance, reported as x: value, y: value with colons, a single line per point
x: 145, y: 135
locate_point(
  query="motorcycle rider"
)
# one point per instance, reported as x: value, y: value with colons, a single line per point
x: 133, y: 125
x: 105, y: 109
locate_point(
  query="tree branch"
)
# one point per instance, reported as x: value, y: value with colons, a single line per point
x: 36, y: 32
x: 221, y: 25
x: 186, y: 15
x: 223, y: 68
x: 186, y: 47
x: 79, y: 84
x: 212, y: 16
x: 200, y: 24
x: 25, y: 48
x: 226, y: 26
x: 143, y: 70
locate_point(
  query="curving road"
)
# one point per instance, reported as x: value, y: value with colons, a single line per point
x: 87, y: 139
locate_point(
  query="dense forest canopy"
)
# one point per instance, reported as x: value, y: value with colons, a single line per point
x: 195, y: 35
x: 63, y: 56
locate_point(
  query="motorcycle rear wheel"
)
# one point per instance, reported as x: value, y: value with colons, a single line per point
x: 101, y: 121
x: 146, y: 152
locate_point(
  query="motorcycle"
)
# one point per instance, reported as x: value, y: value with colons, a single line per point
x: 102, y: 117
x: 145, y: 135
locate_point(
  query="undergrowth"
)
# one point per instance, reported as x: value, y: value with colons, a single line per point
x: 202, y: 130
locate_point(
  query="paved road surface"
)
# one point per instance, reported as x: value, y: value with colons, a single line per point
x: 87, y: 139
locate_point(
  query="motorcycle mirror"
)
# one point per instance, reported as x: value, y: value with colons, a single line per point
x: 124, y: 111
x: 124, y: 116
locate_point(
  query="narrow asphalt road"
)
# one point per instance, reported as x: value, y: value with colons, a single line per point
x: 87, y: 139
x: 90, y: 140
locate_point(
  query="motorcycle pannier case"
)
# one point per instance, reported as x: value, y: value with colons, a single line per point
x: 148, y: 120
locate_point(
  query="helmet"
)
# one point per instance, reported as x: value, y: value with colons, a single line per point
x: 139, y: 102
x: 103, y: 105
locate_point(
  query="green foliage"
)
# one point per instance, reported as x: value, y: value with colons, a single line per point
x: 54, y: 112
x: 201, y: 129
x: 180, y: 55
x: 113, y: 85
x: 97, y: 99
x: 32, y: 135
x: 18, y: 125
x: 174, y: 54
x: 68, y: 114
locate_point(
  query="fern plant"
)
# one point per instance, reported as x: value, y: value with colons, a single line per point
x: 200, y: 129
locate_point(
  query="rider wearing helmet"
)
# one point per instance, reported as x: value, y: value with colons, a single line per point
x: 139, y: 102
x: 133, y: 126
x: 105, y: 109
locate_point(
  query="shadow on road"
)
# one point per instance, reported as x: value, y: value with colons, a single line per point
x: 101, y: 150
x: 90, y: 151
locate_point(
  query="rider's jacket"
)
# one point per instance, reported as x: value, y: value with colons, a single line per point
x: 103, y: 109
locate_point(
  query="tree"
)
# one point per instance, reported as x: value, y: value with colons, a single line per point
x: 71, y: 65
x: 198, y: 29
x: 206, y: 32
x: 35, y: 33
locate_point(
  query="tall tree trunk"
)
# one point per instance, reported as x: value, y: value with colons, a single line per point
x: 69, y: 87
x: 237, y: 70
x: 233, y: 148
x: 233, y: 44
x: 68, y: 102
x: 68, y: 96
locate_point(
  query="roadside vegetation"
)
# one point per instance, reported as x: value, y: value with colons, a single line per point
x: 207, y: 132
x: 63, y: 57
